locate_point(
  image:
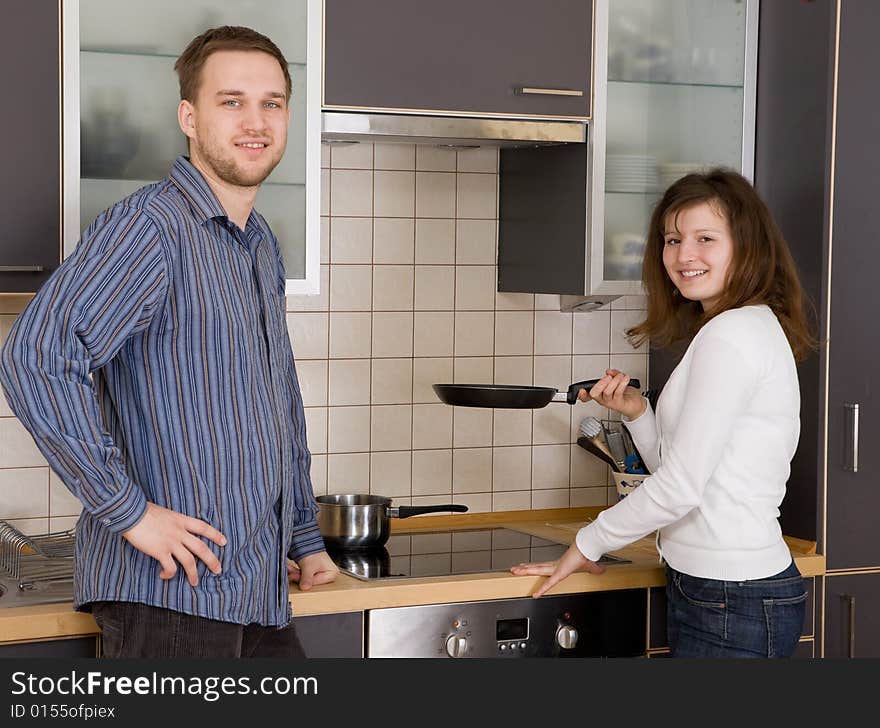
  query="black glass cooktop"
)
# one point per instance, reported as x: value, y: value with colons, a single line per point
x: 448, y: 553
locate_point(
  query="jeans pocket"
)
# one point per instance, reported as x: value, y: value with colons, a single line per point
x: 700, y: 607
x: 784, y: 618
x: 700, y: 592
x: 111, y: 621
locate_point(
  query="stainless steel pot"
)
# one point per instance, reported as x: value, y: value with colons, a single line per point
x: 359, y: 521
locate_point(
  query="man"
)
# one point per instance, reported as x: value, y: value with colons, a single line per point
x: 155, y: 373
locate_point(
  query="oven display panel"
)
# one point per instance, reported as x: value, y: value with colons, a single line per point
x: 512, y: 629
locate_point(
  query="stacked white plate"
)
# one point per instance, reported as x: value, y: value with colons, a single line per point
x: 630, y: 173
x: 669, y: 172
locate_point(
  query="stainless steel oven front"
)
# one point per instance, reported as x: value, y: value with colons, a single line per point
x: 595, y: 624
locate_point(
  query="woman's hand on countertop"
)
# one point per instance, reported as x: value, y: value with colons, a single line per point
x: 317, y: 568
x: 571, y: 561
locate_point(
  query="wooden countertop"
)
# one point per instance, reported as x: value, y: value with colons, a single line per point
x: 348, y: 594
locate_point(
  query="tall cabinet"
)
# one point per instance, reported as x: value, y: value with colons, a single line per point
x: 818, y: 160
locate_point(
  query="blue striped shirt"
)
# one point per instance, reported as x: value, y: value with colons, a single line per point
x: 155, y: 366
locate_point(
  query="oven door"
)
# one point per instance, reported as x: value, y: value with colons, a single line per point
x: 595, y: 624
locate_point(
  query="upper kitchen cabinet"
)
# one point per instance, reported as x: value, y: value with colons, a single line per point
x: 31, y: 171
x: 674, y: 91
x: 121, y: 101
x: 497, y: 58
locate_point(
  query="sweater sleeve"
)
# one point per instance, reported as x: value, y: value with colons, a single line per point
x: 107, y: 291
x: 721, y: 379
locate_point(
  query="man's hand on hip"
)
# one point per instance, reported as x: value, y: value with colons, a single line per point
x: 167, y: 536
x: 317, y: 568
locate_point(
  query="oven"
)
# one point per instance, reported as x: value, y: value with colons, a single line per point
x: 593, y: 624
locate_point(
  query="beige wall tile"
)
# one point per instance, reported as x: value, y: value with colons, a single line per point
x: 312, y: 375
x: 348, y: 429
x: 553, y: 424
x: 512, y: 427
x: 392, y: 334
x: 435, y: 194
x: 391, y: 473
x: 318, y: 474
x: 391, y: 427
x: 591, y: 332
x: 432, y: 426
x: 392, y: 381
x: 556, y: 498
x: 473, y: 333
x: 514, y: 301
x: 392, y: 288
x: 550, y: 466
x: 511, y: 468
x: 635, y: 365
x: 62, y: 502
x: 395, y: 156
x: 472, y: 470
x: 553, y: 332
x: 432, y: 472
x: 435, y: 159
x: 427, y: 372
x: 516, y: 370
x: 325, y: 192
x: 473, y: 369
x: 325, y: 239
x: 394, y: 240
x: 434, y: 334
x: 349, y: 382
x: 475, y: 288
x: 351, y: 239
x: 435, y: 288
x: 476, y: 196
x: 475, y: 502
x: 308, y: 334
x: 30, y: 526
x: 319, y: 302
x: 62, y: 523
x: 587, y: 497
x: 348, y: 155
x: 316, y: 429
x: 348, y: 473
x: 435, y: 242
x: 350, y: 287
x: 476, y: 242
x: 484, y: 159
x: 471, y: 427
x: 325, y: 155
x: 24, y: 492
x: 620, y: 322
x: 547, y: 301
x: 350, y: 335
x: 351, y: 192
x: 553, y: 371
x: 17, y: 446
x: 514, y: 333
x: 520, y: 500
x: 587, y: 471
x: 394, y: 194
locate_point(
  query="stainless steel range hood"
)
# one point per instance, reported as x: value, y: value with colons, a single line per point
x: 448, y: 130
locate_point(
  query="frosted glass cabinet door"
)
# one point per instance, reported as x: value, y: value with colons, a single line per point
x: 125, y: 106
x: 677, y: 94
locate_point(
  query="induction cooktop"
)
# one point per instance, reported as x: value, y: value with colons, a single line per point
x: 451, y: 552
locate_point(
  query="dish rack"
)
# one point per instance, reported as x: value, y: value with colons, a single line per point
x: 34, y: 559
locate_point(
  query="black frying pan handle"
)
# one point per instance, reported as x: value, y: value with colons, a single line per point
x: 587, y: 384
x: 407, y: 511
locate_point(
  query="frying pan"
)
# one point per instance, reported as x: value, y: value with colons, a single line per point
x: 511, y: 396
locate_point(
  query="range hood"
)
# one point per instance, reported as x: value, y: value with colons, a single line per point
x: 448, y: 130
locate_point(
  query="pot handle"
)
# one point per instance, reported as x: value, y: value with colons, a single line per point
x: 587, y: 384
x: 407, y: 511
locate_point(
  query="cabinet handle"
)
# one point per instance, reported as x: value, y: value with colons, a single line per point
x: 852, y: 464
x: 532, y: 91
x: 21, y: 268
x: 851, y: 647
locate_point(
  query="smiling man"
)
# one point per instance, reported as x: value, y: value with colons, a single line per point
x: 155, y: 373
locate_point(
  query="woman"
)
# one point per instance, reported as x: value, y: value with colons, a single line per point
x: 717, y: 271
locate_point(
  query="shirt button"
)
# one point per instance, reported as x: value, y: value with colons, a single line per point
x: 106, y: 521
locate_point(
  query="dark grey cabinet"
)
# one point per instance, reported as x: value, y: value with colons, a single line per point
x: 493, y: 57
x: 71, y: 647
x: 30, y: 176
x: 852, y: 603
x: 331, y: 635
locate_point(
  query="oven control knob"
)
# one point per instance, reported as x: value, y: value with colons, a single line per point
x: 456, y: 645
x: 567, y: 637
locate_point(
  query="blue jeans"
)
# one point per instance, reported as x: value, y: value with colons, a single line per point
x: 755, y: 618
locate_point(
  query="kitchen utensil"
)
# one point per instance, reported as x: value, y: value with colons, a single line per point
x: 360, y: 521
x: 594, y: 433
x: 634, y: 462
x: 615, y: 445
x: 587, y: 444
x: 511, y: 396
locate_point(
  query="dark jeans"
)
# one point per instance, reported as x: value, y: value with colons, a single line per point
x: 755, y: 618
x: 129, y: 629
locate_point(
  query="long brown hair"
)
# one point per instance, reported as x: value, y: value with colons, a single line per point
x: 762, y: 270
x: 225, y: 38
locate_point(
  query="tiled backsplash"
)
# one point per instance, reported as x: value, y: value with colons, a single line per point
x: 408, y: 254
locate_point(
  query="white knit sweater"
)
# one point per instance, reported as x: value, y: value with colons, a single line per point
x: 719, y: 453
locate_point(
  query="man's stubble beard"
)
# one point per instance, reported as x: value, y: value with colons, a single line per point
x: 228, y: 170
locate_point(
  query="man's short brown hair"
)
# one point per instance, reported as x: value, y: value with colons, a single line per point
x: 224, y: 38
